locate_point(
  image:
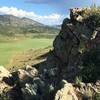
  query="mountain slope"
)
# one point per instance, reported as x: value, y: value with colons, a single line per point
x: 16, y: 21
x: 11, y: 25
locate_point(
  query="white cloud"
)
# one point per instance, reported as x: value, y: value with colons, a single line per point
x: 16, y: 12
x: 48, y: 19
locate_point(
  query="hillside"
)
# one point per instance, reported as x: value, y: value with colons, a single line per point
x: 16, y: 21
x: 11, y: 25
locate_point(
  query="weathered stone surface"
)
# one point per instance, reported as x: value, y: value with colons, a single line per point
x: 4, y: 87
x: 27, y: 75
x: 4, y: 72
x: 33, y: 72
x: 66, y: 92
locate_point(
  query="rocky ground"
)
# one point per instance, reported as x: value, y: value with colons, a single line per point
x: 70, y: 71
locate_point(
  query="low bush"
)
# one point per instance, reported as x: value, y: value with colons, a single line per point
x: 92, y: 17
x: 90, y: 67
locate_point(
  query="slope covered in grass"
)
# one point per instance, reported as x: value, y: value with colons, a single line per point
x: 10, y: 48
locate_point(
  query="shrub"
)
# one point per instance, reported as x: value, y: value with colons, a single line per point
x: 91, y: 63
x: 92, y: 17
x: 3, y: 97
x: 97, y: 96
x: 78, y: 80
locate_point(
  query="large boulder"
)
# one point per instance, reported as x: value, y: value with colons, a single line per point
x: 35, y: 90
x: 27, y: 75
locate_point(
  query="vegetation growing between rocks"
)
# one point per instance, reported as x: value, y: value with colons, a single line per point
x: 91, y: 63
x: 92, y: 17
x: 3, y: 97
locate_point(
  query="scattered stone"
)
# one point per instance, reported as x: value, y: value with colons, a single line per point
x: 66, y: 92
x: 4, y: 72
x: 33, y: 72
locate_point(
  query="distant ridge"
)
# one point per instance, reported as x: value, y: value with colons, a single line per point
x: 16, y: 21
x: 11, y: 25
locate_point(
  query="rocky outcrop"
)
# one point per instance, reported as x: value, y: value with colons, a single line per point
x: 72, y: 43
x: 75, y: 54
x: 23, y: 84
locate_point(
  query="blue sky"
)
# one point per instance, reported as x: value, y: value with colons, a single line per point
x: 49, y: 12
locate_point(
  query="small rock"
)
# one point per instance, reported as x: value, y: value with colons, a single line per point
x: 32, y: 71
x: 4, y: 72
x: 24, y: 76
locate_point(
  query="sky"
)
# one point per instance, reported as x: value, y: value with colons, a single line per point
x: 48, y: 12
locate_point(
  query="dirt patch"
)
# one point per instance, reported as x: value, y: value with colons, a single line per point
x: 29, y: 57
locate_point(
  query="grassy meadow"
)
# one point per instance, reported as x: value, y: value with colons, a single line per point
x: 9, y: 47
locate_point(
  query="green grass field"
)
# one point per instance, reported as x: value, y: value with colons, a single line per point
x: 11, y: 47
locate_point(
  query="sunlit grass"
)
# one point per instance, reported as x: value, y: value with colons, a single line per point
x: 9, y: 48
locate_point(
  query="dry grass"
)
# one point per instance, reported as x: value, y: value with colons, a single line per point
x: 29, y: 57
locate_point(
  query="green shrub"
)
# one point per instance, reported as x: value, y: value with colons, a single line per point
x: 91, y: 64
x: 78, y: 80
x: 3, y: 97
x: 97, y: 96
